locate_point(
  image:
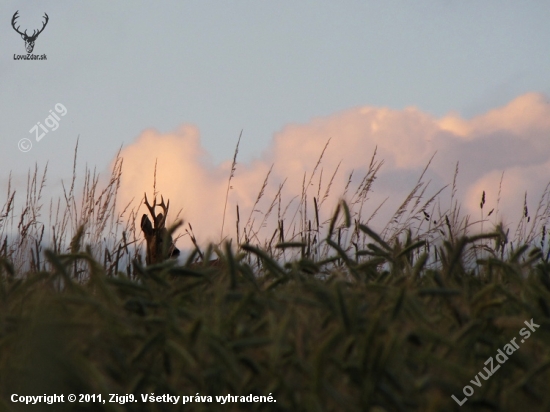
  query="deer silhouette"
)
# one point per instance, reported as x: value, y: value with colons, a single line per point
x: 160, y: 245
x: 29, y: 40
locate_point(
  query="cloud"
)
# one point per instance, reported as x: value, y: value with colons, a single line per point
x: 513, y: 139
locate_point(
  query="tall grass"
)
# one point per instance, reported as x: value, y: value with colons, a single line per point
x: 326, y: 315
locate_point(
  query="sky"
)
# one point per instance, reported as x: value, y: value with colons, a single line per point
x: 176, y: 82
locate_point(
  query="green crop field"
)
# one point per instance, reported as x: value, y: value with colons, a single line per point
x: 339, y: 319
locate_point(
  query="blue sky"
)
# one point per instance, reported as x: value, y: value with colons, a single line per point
x: 120, y: 68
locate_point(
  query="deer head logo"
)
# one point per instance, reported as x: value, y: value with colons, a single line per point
x: 29, y: 40
x: 160, y: 245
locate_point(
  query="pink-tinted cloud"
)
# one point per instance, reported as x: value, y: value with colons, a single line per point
x: 514, y: 139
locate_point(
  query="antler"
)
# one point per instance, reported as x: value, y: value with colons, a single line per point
x: 159, y: 220
x: 151, y: 208
x: 15, y: 16
x: 162, y: 217
x: 43, y: 26
x: 35, y: 33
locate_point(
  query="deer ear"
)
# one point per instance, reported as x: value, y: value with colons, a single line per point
x: 158, y: 220
x: 146, y: 225
x: 23, y: 36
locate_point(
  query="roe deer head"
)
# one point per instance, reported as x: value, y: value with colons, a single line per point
x: 29, y: 40
x: 160, y: 245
